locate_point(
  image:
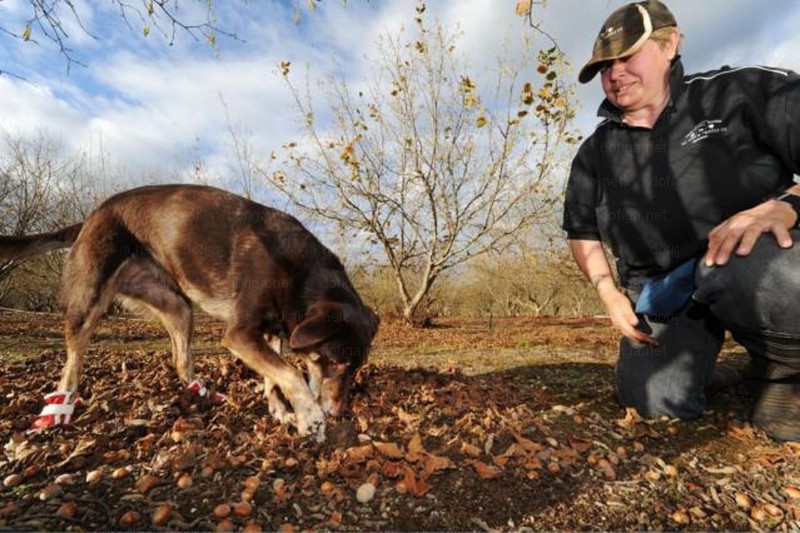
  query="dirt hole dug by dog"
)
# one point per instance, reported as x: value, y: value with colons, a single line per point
x: 510, y: 425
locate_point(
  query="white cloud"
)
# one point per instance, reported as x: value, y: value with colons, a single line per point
x: 79, y: 26
x: 164, y: 107
x: 29, y: 108
x: 12, y: 7
x: 150, y: 103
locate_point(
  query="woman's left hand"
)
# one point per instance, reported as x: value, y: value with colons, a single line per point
x: 741, y: 231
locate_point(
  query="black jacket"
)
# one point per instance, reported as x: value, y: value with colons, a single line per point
x: 725, y: 141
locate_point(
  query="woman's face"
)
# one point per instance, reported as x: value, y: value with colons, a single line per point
x: 639, y: 81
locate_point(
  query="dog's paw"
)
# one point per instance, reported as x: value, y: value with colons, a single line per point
x: 58, y: 410
x: 311, y: 423
x: 198, y: 389
x: 280, y: 411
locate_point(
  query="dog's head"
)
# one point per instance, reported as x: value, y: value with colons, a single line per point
x: 336, y: 337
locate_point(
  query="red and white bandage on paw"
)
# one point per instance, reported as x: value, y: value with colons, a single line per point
x: 59, y: 408
x: 202, y: 391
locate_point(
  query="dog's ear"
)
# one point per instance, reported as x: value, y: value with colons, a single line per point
x: 323, y: 322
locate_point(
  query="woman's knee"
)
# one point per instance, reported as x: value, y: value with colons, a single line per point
x: 658, y: 385
x: 756, y: 292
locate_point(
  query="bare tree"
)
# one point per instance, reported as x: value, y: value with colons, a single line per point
x: 29, y: 178
x: 527, y: 282
x: 40, y: 189
x: 429, y: 162
x: 48, y: 20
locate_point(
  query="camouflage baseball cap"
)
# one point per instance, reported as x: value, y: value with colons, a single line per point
x: 624, y: 33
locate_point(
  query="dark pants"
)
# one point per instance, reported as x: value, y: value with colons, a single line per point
x: 756, y: 298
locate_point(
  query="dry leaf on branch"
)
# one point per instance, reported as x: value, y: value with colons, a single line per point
x: 523, y: 8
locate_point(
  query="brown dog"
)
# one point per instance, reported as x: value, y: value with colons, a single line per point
x: 258, y: 269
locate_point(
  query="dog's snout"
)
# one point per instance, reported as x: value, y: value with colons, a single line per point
x: 337, y: 409
x: 334, y: 395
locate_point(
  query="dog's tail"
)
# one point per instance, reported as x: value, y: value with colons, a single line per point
x: 13, y: 248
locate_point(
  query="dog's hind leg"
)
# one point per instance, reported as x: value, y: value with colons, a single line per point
x: 87, y: 287
x: 78, y: 330
x: 146, y: 285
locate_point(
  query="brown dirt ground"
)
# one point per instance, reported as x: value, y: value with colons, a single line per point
x: 505, y: 424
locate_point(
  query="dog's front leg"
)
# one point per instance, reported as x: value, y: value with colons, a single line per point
x: 314, y: 375
x: 312, y: 365
x: 250, y: 346
x: 277, y: 406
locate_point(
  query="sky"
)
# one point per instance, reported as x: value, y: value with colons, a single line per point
x: 153, y: 105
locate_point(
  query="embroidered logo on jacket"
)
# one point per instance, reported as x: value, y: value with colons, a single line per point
x: 703, y: 130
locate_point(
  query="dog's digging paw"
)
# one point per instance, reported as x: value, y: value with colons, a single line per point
x: 312, y: 423
x: 280, y: 412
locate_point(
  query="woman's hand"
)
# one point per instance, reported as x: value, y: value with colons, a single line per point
x: 592, y: 261
x: 623, y: 317
x: 741, y: 231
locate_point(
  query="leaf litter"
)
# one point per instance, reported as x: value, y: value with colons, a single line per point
x: 433, y: 448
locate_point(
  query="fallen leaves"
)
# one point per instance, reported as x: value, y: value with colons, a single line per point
x: 412, y: 464
x: 413, y: 484
x: 470, y: 450
x: 389, y: 449
x: 183, y: 429
x: 485, y: 471
x: 422, y: 449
